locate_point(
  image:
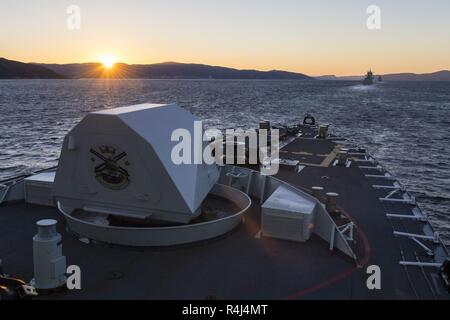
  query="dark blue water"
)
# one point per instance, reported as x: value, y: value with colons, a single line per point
x: 406, y: 125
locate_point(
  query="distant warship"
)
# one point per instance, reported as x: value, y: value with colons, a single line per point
x: 368, y: 80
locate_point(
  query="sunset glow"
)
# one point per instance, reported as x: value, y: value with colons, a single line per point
x: 316, y: 38
x: 108, y: 61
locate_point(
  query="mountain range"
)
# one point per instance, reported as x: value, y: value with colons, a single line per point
x: 17, y: 70
x: 166, y: 70
x: 10, y: 69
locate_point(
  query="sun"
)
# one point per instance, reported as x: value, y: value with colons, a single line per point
x: 108, y: 61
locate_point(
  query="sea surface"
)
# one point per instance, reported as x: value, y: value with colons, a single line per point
x: 405, y: 125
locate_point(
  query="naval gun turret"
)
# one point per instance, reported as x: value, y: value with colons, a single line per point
x: 118, y: 162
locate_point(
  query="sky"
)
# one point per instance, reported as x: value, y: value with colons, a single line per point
x: 319, y: 37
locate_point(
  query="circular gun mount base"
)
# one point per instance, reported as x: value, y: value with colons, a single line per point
x: 212, y: 224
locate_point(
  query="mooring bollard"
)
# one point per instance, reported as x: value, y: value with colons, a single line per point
x: 323, y: 131
x: 316, y: 191
x: 331, y: 202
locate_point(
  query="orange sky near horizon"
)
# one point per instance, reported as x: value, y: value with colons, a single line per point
x: 320, y: 38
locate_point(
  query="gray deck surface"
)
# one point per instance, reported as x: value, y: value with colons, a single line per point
x: 240, y: 265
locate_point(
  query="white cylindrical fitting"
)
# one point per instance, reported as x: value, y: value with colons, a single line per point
x: 49, y: 263
x: 331, y: 202
x: 316, y: 191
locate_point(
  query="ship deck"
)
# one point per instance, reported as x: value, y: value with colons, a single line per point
x: 243, y: 265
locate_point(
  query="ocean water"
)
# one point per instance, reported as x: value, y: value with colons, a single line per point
x: 405, y: 125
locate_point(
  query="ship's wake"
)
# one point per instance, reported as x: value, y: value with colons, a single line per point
x: 361, y: 87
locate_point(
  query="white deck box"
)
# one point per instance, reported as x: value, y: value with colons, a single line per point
x: 38, y: 189
x: 288, y: 215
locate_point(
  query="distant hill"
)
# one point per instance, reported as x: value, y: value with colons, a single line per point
x: 327, y: 77
x: 443, y: 75
x: 76, y: 70
x: 10, y: 69
x: 168, y: 70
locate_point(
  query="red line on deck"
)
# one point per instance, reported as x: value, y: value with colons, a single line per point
x: 344, y: 274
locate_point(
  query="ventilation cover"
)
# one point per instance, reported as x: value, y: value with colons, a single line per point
x: 288, y: 215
